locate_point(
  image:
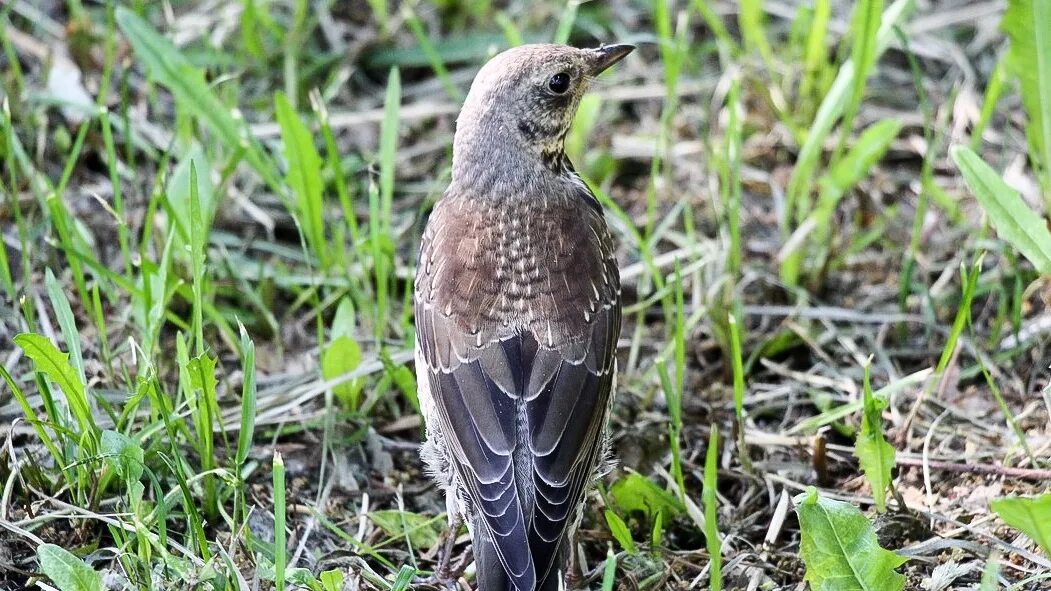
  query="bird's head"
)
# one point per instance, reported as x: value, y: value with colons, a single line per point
x: 524, y: 99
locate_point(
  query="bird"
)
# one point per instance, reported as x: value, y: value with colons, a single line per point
x: 517, y: 304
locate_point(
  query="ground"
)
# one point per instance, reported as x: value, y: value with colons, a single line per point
x: 263, y: 315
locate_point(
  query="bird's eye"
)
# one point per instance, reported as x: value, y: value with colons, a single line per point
x: 559, y: 83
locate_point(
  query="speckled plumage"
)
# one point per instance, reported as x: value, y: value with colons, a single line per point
x: 517, y: 302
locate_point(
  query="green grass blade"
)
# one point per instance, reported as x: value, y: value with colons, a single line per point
x: 832, y: 106
x: 304, y: 165
x: 433, y: 56
x: 739, y: 386
x: 64, y: 315
x: 198, y: 240
x: 864, y: 53
x: 710, y: 500
x: 1028, y: 24
x: 186, y: 82
x: 280, y: 551
x: 248, y: 399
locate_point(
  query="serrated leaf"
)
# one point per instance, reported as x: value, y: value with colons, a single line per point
x: 123, y: 454
x: 68, y: 572
x: 1013, y: 220
x: 423, y: 531
x: 840, y: 549
x: 1031, y: 515
x: 636, y: 493
x: 875, y: 455
x: 620, y: 532
x: 53, y: 363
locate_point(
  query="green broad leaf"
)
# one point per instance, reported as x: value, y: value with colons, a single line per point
x: 331, y: 580
x: 303, y: 175
x: 423, y: 531
x: 1031, y: 515
x: 620, y: 532
x: 187, y: 84
x: 871, y: 448
x: 68, y: 572
x: 299, y: 576
x: 123, y: 454
x: 342, y: 356
x: 56, y: 366
x: 1028, y: 24
x: 345, y: 319
x: 636, y: 494
x: 840, y: 549
x: 1013, y: 220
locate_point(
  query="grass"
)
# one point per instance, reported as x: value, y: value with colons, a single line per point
x: 206, y: 275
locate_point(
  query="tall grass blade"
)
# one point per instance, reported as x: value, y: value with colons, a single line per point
x: 832, y: 106
x: 1028, y: 24
x: 280, y: 551
x: 864, y: 53
x: 304, y: 165
x: 710, y: 500
x: 66, y: 321
x: 186, y: 82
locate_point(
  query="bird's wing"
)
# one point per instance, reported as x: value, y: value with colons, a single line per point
x: 522, y: 411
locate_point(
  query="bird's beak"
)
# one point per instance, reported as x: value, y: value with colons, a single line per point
x: 607, y: 55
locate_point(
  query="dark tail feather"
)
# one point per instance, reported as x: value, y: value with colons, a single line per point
x: 551, y: 583
x: 490, y: 574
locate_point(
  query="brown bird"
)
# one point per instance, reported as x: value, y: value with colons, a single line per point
x: 517, y: 301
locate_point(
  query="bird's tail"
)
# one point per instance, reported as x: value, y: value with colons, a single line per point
x: 552, y: 582
x: 490, y: 574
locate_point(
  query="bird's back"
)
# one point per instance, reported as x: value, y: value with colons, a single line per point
x: 518, y: 312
